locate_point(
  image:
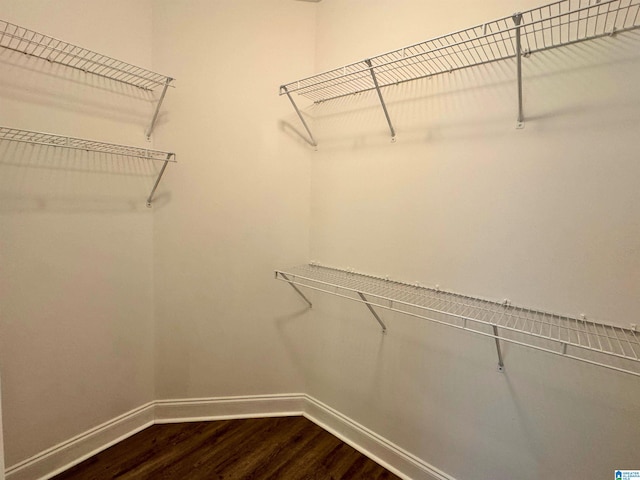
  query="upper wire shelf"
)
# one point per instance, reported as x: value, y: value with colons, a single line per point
x: 550, y: 26
x: 52, y: 140
x: 29, y: 42
x: 596, y: 343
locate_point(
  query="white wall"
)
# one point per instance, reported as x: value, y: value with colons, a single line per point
x: 237, y: 205
x: 76, y: 240
x: 546, y: 216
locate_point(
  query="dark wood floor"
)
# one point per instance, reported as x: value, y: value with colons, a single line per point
x: 289, y: 448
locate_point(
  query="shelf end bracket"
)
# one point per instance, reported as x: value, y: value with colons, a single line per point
x: 384, y: 105
x: 293, y: 285
x: 155, y: 114
x: 311, y: 141
x: 517, y: 19
x: 373, y: 312
x: 155, y: 185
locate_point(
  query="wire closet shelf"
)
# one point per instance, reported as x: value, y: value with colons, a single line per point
x: 52, y: 140
x: 580, y: 339
x: 557, y: 24
x: 73, y: 143
x: 30, y: 42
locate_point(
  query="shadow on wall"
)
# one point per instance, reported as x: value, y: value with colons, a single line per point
x: 295, y: 134
x: 34, y: 81
x: 577, y: 82
x: 37, y: 178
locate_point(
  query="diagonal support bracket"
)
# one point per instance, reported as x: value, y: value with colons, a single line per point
x: 384, y: 105
x: 496, y: 337
x: 155, y: 114
x: 517, y: 19
x: 311, y: 141
x: 373, y: 312
x: 295, y: 288
x: 155, y: 186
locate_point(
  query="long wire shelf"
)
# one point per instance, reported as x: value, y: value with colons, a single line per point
x: 596, y: 343
x: 550, y: 26
x: 35, y: 44
x: 73, y: 143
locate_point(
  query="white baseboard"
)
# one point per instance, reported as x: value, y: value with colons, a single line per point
x: 63, y: 456
x: 392, y: 457
x: 58, y: 458
x: 223, y: 408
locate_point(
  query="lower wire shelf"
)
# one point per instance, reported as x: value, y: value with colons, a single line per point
x: 607, y: 346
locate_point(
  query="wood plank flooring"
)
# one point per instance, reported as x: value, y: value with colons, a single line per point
x: 289, y: 448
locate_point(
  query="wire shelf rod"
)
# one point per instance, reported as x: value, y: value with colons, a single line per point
x: 635, y: 336
x: 618, y: 339
x: 636, y: 342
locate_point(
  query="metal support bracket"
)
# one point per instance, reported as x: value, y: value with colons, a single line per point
x: 384, y: 106
x: 155, y: 114
x: 497, y: 339
x: 373, y: 312
x: 155, y: 186
x: 517, y: 19
x: 295, y: 288
x: 311, y: 141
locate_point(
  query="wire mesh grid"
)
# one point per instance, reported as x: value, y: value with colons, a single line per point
x: 29, y: 42
x: 606, y: 345
x: 52, y: 140
x: 559, y: 23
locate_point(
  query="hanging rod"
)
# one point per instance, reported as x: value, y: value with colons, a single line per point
x: 73, y: 143
x: 595, y: 343
x: 35, y: 44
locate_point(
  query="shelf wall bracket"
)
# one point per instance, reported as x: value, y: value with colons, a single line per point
x: 517, y: 19
x: 295, y: 288
x: 311, y: 141
x: 384, y: 106
x: 373, y: 312
x: 496, y: 336
x: 155, y: 186
x: 155, y: 114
